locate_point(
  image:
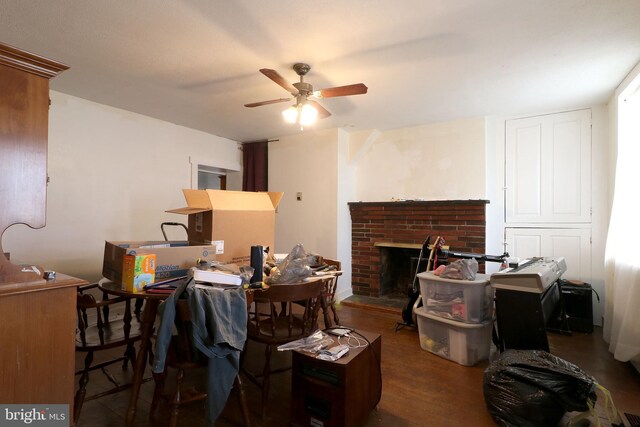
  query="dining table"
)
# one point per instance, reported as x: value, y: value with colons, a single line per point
x: 152, y: 300
x: 148, y: 318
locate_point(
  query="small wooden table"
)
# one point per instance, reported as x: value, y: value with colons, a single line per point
x: 149, y: 314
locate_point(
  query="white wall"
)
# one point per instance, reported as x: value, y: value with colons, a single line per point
x: 332, y: 168
x: 308, y: 163
x: 346, y: 194
x: 441, y: 161
x: 113, y: 175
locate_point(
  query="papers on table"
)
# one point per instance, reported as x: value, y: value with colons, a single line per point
x: 218, y: 279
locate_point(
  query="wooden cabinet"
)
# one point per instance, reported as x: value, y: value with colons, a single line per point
x: 37, y: 316
x: 37, y: 332
x: 24, y: 111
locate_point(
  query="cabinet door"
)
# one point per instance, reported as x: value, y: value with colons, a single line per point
x: 574, y: 244
x: 24, y: 103
x: 548, y: 168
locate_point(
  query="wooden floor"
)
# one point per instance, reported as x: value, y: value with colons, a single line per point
x: 419, y: 388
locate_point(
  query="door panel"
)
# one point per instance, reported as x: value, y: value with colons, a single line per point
x: 574, y: 244
x: 548, y: 169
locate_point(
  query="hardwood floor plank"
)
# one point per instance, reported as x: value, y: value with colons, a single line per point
x: 419, y: 388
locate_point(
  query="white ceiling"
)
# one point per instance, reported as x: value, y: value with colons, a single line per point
x: 195, y: 62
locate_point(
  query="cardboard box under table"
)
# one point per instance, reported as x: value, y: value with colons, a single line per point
x: 233, y: 221
x: 173, y: 258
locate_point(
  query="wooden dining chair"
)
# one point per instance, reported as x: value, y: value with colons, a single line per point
x: 281, y: 314
x: 184, y: 357
x: 103, y: 324
x: 330, y: 289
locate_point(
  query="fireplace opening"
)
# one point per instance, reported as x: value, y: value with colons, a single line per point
x: 397, y: 270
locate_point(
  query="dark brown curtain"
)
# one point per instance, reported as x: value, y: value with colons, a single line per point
x: 255, y: 160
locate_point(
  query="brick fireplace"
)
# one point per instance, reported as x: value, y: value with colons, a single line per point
x: 385, y: 237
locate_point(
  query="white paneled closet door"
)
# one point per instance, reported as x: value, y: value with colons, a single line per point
x: 548, y: 189
x: 574, y: 244
x: 548, y: 169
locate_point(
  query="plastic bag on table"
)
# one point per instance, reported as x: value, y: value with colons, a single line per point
x: 462, y: 269
x: 294, y: 268
x: 535, y: 388
x: 313, y: 343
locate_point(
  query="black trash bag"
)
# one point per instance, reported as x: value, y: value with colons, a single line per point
x: 535, y: 388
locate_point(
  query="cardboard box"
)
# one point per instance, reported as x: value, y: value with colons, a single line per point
x: 173, y: 258
x: 232, y: 220
x: 138, y: 271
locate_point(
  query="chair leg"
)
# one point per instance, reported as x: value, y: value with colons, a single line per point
x: 82, y: 390
x: 177, y: 399
x: 335, y: 314
x: 325, y: 312
x: 138, y: 306
x: 129, y: 356
x: 265, y: 380
x: 157, y: 392
x: 243, y: 401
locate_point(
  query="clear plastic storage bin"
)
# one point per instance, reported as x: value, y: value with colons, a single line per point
x: 463, y: 343
x: 469, y: 301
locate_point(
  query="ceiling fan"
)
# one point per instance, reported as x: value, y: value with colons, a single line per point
x: 305, y: 110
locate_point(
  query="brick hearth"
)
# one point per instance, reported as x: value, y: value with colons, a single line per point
x: 461, y: 222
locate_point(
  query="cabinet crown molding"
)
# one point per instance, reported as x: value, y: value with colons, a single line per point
x: 29, y: 62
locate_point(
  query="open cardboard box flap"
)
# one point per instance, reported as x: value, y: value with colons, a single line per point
x: 232, y: 220
x: 223, y: 200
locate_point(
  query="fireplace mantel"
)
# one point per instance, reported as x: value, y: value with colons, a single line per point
x: 394, y: 204
x: 405, y: 224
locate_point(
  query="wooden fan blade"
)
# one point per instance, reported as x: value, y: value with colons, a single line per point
x: 323, y: 113
x: 355, y: 89
x: 271, y: 101
x: 273, y: 75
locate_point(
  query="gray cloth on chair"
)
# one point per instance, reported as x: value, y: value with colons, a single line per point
x: 218, y: 331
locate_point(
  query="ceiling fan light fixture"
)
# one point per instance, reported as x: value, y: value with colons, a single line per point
x: 290, y: 114
x: 305, y: 111
x: 308, y: 115
x: 303, y: 114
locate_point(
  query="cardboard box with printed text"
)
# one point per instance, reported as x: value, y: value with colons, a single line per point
x: 232, y: 220
x: 173, y: 258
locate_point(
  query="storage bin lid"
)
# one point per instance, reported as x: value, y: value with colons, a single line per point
x: 481, y: 279
x: 422, y: 311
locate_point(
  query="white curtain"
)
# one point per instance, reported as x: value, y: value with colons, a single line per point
x: 622, y: 257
